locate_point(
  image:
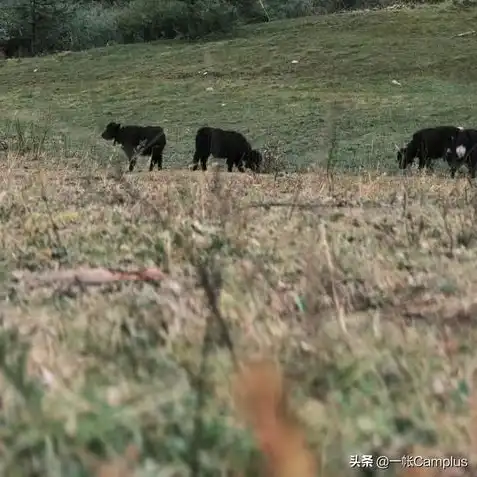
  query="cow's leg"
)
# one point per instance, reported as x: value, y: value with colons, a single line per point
x: 430, y: 165
x: 132, y: 164
x: 240, y: 164
x: 156, y: 158
x: 472, y: 168
x: 159, y: 161
x: 230, y: 164
x: 203, y: 161
x: 455, y: 165
x: 195, y: 161
x: 129, y: 151
x: 422, y: 162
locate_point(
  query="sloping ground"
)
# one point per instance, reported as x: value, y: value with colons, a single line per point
x: 341, y: 85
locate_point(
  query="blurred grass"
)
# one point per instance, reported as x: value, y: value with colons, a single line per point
x: 93, y: 370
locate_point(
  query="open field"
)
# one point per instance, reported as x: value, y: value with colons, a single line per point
x: 340, y: 90
x: 360, y: 284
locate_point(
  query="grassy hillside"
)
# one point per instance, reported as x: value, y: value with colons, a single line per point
x: 346, y: 64
x: 361, y: 285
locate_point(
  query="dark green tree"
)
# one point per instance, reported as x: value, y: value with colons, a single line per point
x: 43, y: 21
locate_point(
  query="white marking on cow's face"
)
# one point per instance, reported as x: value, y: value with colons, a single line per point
x: 460, y: 151
x: 460, y: 127
x: 448, y: 151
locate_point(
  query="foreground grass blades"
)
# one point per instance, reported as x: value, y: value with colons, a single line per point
x: 365, y: 295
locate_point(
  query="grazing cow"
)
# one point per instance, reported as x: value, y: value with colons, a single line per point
x: 427, y: 144
x: 229, y: 145
x: 17, y: 46
x: 464, y: 151
x: 138, y: 140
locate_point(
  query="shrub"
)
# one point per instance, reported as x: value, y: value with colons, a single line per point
x: 273, y: 159
x: 93, y: 25
x: 147, y: 20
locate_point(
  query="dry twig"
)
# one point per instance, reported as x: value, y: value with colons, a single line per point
x: 86, y: 276
x: 465, y: 33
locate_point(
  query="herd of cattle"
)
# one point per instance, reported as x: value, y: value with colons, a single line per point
x: 151, y: 141
x: 456, y: 145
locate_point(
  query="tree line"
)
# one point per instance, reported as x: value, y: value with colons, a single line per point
x: 42, y: 26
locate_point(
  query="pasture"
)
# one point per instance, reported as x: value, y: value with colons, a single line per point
x: 358, y: 280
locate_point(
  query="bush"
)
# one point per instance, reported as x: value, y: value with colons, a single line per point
x: 81, y: 25
x: 273, y: 159
x: 93, y: 25
x: 147, y: 20
x: 212, y: 16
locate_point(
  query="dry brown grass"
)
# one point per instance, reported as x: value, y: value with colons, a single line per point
x: 362, y: 288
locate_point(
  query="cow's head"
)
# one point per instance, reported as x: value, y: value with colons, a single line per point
x: 111, y: 132
x: 254, y: 160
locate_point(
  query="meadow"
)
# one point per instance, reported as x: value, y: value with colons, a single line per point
x: 357, y: 279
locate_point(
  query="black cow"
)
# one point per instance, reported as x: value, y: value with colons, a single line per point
x: 138, y: 140
x: 427, y: 144
x: 229, y: 145
x: 464, y: 151
x: 17, y: 46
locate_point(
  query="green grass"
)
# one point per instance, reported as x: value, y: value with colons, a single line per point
x: 346, y: 65
x: 87, y: 371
